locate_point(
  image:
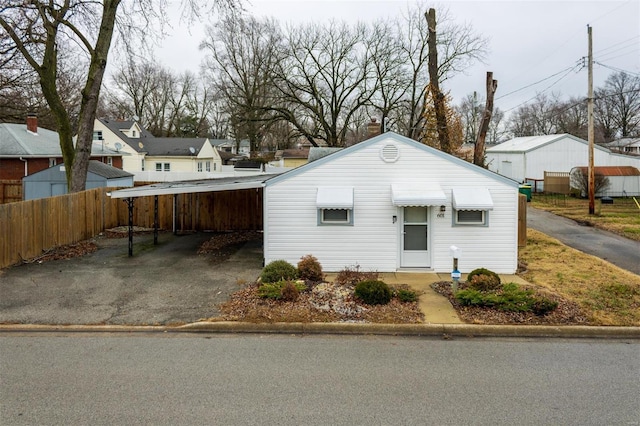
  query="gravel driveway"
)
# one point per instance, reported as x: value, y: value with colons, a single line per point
x: 164, y: 284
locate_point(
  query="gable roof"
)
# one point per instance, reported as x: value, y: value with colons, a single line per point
x: 530, y: 143
x: 101, y: 169
x: 396, y: 138
x: 295, y: 153
x: 189, y: 147
x: 16, y: 141
x: 116, y: 127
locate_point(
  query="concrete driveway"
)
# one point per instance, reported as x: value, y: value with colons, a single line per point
x: 164, y: 284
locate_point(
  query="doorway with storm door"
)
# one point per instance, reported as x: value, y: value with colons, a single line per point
x: 414, y: 238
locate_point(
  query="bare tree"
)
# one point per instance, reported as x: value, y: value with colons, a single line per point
x: 458, y: 47
x: 37, y: 29
x: 623, y: 93
x: 323, y: 81
x: 579, y: 179
x: 241, y: 56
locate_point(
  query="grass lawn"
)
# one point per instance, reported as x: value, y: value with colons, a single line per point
x: 608, y: 295
x: 622, y: 217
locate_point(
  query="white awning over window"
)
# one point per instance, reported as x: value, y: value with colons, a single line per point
x: 331, y: 197
x: 427, y: 194
x: 472, y: 199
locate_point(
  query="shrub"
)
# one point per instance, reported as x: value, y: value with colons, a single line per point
x: 482, y: 279
x: 543, y: 306
x: 352, y: 275
x: 290, y: 292
x: 310, y: 269
x: 373, y: 292
x: 511, y: 298
x: 406, y: 295
x: 278, y: 270
x: 285, y: 290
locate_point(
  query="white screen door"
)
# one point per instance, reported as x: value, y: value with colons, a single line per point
x: 415, y: 238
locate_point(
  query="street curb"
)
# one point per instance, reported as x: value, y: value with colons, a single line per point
x: 443, y: 330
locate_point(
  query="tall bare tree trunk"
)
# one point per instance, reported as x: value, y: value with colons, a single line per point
x: 478, y: 152
x: 434, y: 86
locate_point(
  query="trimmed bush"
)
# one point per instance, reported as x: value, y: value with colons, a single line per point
x: 310, y: 269
x: 278, y: 270
x: 482, y: 279
x: 285, y: 290
x: 511, y: 298
x: 373, y: 292
x: 405, y: 295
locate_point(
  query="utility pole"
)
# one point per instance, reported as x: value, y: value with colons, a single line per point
x: 591, y: 136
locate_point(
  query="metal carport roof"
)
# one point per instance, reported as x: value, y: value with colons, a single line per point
x: 188, y: 187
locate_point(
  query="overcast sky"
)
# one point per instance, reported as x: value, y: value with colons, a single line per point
x: 529, y: 41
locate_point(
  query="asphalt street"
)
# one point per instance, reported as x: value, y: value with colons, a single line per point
x: 620, y: 251
x: 177, y: 379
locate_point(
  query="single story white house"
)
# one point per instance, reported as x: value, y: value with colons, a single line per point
x: 525, y: 159
x: 624, y: 181
x: 388, y: 204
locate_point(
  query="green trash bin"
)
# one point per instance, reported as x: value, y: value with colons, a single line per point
x: 526, y: 190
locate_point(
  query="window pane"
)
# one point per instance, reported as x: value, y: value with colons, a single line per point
x: 335, y: 215
x: 415, y: 237
x: 415, y: 214
x: 158, y: 167
x: 167, y: 167
x: 470, y: 216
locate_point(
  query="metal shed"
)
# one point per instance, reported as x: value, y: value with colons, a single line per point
x: 53, y: 181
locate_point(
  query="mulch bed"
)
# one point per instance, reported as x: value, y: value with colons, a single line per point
x: 68, y: 251
x: 315, y: 306
x: 567, y: 312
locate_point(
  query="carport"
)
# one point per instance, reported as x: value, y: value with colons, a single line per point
x: 235, y: 183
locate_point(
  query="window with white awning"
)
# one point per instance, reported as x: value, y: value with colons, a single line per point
x: 471, y: 206
x: 335, y: 205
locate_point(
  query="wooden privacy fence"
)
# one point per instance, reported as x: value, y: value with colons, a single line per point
x: 27, y: 228
x: 522, y: 220
x: 556, y: 183
x: 10, y: 191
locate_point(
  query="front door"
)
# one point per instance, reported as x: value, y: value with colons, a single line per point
x: 414, y: 238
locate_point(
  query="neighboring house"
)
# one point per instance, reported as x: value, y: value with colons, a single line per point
x: 183, y: 155
x: 53, y: 181
x: 316, y: 153
x: 124, y: 136
x: 229, y: 145
x: 291, y: 157
x: 390, y: 203
x: 26, y: 149
x: 525, y: 159
x: 624, y: 181
x: 154, y: 159
x: 625, y: 146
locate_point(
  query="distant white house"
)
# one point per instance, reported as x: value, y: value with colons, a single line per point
x: 154, y: 159
x: 390, y: 203
x: 527, y: 158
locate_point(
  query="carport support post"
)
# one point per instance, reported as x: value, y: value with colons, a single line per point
x: 155, y: 220
x: 129, y: 202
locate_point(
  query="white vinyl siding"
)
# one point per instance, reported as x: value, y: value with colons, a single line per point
x: 291, y: 229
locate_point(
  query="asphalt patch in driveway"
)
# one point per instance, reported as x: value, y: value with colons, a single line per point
x: 164, y: 284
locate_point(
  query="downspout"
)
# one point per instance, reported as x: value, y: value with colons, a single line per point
x: 26, y: 168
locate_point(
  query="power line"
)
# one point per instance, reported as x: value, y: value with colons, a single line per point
x: 545, y: 89
x: 615, y: 44
x: 537, y: 82
x: 612, y: 68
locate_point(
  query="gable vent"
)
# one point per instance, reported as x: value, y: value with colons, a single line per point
x: 389, y: 153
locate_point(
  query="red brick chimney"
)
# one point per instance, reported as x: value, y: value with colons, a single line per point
x: 32, y: 123
x: 373, y: 128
